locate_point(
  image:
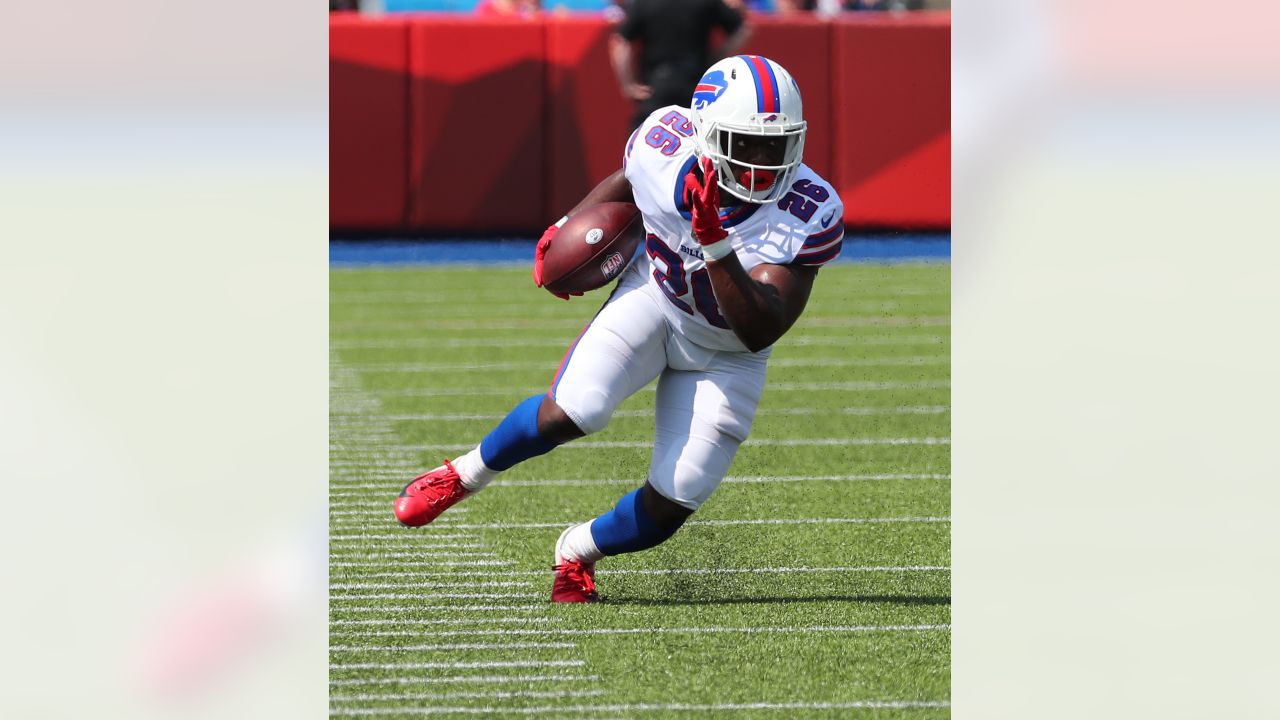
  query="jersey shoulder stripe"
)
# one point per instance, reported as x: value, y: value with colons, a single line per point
x: 738, y: 215
x: 824, y: 253
x: 822, y: 239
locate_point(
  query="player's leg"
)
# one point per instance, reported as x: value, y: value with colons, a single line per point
x: 702, y: 418
x: 613, y: 357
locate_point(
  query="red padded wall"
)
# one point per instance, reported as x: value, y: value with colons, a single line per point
x: 891, y: 100
x: 442, y: 123
x: 368, y: 115
x: 803, y: 47
x: 588, y: 120
x: 477, y: 153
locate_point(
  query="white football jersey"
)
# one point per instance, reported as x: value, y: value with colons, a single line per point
x: 805, y: 226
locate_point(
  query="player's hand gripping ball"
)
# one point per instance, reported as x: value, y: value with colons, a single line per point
x: 540, y: 255
x: 589, y: 251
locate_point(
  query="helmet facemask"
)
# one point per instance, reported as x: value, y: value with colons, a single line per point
x: 754, y: 181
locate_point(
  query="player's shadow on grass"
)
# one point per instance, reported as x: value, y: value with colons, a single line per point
x: 891, y: 599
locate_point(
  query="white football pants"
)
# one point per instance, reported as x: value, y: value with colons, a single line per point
x: 706, y: 398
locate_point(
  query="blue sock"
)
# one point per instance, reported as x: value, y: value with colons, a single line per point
x: 516, y: 438
x: 628, y: 528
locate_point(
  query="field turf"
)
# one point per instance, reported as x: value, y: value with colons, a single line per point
x: 815, y: 583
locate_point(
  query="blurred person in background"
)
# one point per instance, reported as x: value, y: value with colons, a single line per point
x: 760, y: 6
x: 521, y: 8
x: 794, y: 7
x: 615, y: 11
x: 895, y: 5
x: 673, y: 38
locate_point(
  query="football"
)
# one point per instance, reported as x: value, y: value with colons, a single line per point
x: 592, y: 248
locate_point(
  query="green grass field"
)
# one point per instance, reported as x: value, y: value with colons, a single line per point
x: 838, y: 606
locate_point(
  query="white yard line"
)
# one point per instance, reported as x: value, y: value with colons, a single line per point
x: 458, y: 646
x: 561, y: 341
x: 872, y: 410
x: 348, y: 541
x: 794, y: 442
x: 688, y: 571
x: 858, y: 385
x: 491, y: 695
x: 457, y: 665
x: 882, y: 410
x: 551, y: 365
x: 756, y: 442
x: 386, y: 509
x: 785, y: 570
x: 610, y: 482
x: 384, y: 609
x: 446, y: 621
x: 360, y: 634
x: 353, y: 597
x: 803, y: 340
x: 360, y: 554
x: 407, y: 533
x: 516, y: 392
x: 732, y: 480
x: 435, y: 586
x: 836, y: 478
x: 762, y: 521
x: 447, y: 563
x: 379, y: 500
x: 508, y: 632
x: 464, y: 324
x: 645, y: 707
x: 477, y: 679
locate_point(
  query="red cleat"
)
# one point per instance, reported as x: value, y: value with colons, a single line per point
x: 428, y: 495
x: 574, y: 582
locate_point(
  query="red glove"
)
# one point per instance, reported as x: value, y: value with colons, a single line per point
x: 704, y: 204
x: 540, y: 252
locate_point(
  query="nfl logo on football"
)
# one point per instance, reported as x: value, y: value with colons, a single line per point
x: 612, y: 265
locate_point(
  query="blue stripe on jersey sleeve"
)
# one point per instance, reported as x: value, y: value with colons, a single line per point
x: 678, y: 196
x: 820, y: 257
x: 823, y: 237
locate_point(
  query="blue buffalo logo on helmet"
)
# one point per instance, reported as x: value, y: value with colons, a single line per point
x: 709, y: 89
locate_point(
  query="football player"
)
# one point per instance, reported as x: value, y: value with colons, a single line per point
x: 736, y: 229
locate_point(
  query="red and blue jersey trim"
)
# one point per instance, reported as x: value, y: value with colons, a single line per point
x: 737, y: 215
x: 822, y: 247
x: 818, y: 240
x: 681, y: 206
x: 728, y: 216
x: 766, y: 84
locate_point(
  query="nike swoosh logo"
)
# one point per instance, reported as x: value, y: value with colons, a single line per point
x: 827, y: 220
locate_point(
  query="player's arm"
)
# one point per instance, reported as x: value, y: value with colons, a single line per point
x: 759, y: 306
x: 762, y: 305
x: 615, y: 188
x: 621, y: 55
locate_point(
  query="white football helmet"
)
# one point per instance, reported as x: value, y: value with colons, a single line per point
x: 755, y: 96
